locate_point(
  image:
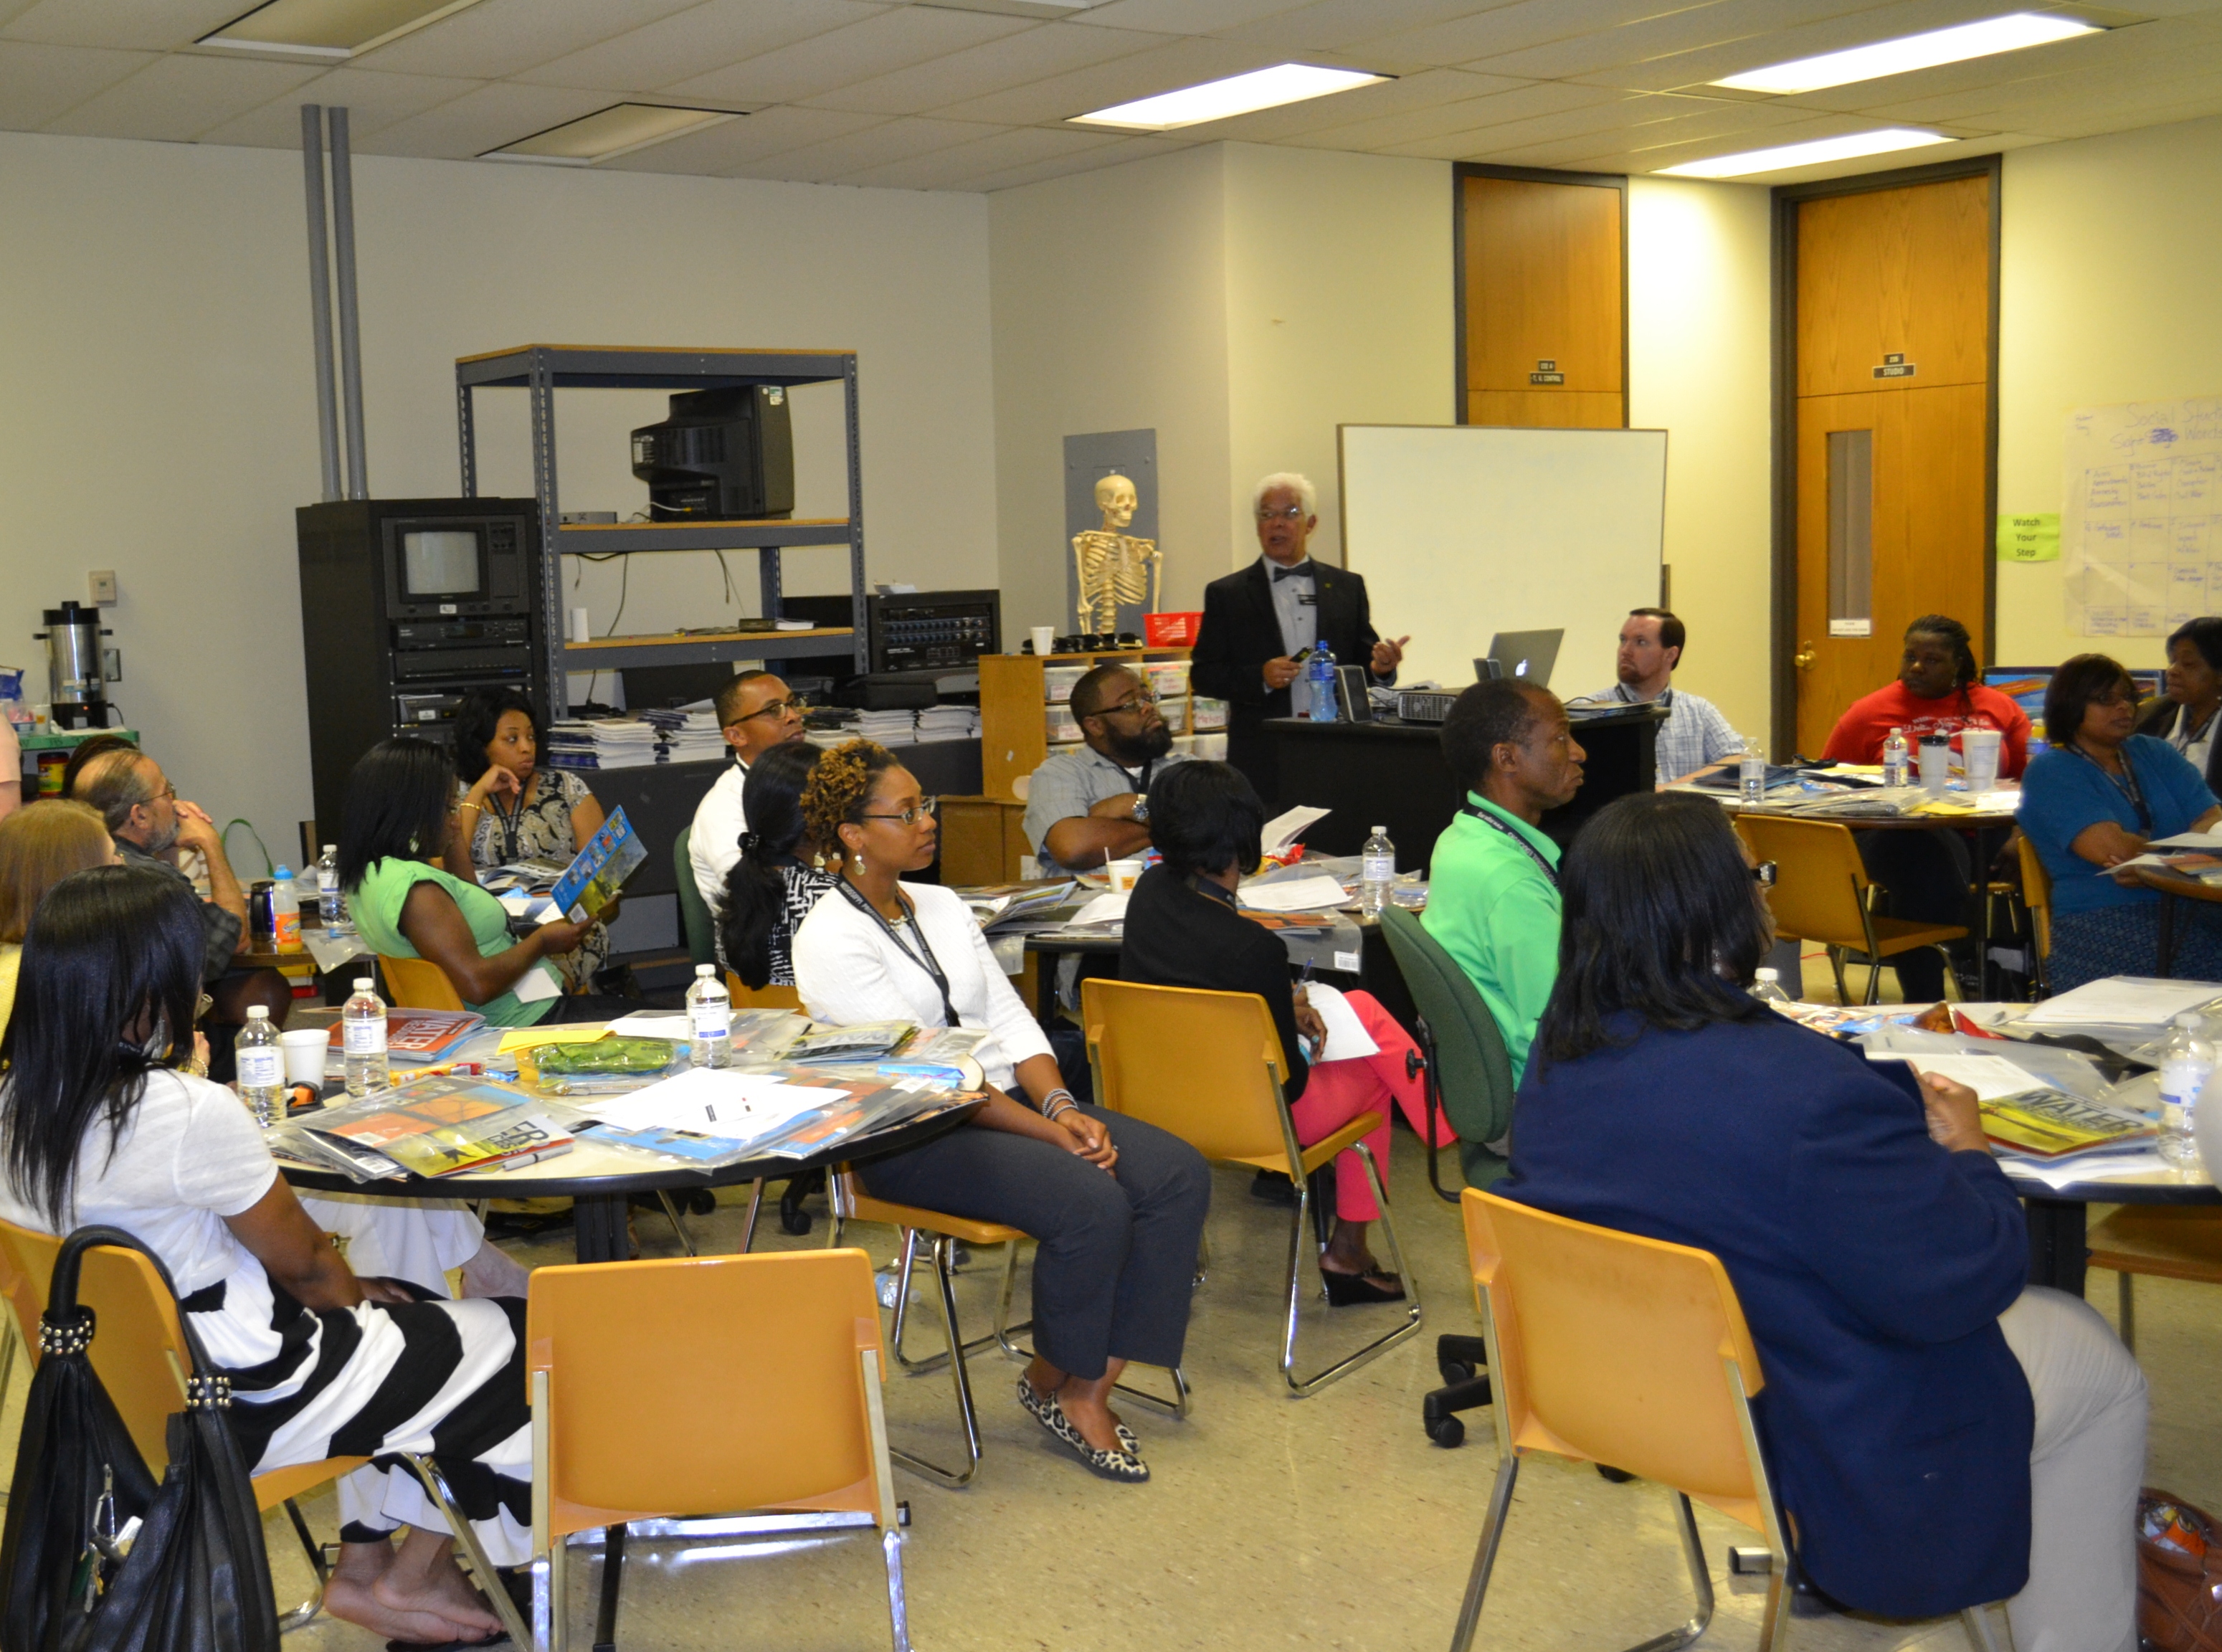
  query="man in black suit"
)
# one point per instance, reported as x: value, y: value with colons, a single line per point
x: 1255, y: 622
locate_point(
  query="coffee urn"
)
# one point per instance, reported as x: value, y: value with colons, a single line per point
x: 77, y: 680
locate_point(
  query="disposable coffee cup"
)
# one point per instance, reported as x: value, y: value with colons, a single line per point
x: 1980, y: 748
x: 304, y: 1048
x: 1936, y: 761
x: 1045, y: 638
x: 1123, y: 874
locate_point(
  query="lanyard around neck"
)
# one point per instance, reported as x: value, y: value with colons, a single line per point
x: 2125, y: 783
x: 923, y: 957
x: 1490, y: 820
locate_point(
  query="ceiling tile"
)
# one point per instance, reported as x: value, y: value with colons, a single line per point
x: 1164, y: 68
x: 680, y: 47
x: 1192, y: 16
x: 1493, y: 31
x: 1617, y: 128
x: 1622, y: 111
x: 1003, y: 151
x: 1111, y: 154
x: 137, y: 25
x: 496, y: 38
x: 875, y: 146
x: 879, y: 45
x: 1341, y: 25
x: 1517, y: 101
x: 720, y: 151
x: 996, y: 65
x: 1362, y: 107
x: 39, y: 82
x: 485, y: 119
x: 1755, y: 24
x: 373, y: 101
x: 176, y: 98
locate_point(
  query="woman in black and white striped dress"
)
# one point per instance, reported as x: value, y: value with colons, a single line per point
x: 97, y: 1125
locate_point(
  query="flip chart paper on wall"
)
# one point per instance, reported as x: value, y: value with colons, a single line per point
x: 2140, y: 549
x: 1464, y: 530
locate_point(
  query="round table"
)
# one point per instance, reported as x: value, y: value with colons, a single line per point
x: 599, y: 1179
x: 2171, y: 888
x: 2057, y: 1215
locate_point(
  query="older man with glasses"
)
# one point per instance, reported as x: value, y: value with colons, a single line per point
x: 756, y: 712
x: 1260, y: 624
x: 1090, y: 806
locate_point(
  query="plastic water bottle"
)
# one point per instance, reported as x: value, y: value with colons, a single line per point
x: 1751, y: 771
x: 262, y: 1067
x: 330, y: 906
x: 363, y: 1039
x: 1897, y: 759
x: 1377, y: 871
x: 2184, y: 1062
x: 284, y: 911
x: 1319, y: 671
x: 1767, y: 987
x: 709, y: 1018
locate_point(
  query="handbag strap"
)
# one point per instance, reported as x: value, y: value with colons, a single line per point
x: 67, y: 1328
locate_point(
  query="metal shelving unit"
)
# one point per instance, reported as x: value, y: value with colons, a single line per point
x: 543, y: 369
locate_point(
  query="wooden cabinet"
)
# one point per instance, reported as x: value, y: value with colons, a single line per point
x: 982, y: 839
x: 1542, y: 296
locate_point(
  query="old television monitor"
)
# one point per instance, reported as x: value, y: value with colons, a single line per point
x: 722, y: 455
x: 1521, y: 656
x: 449, y: 567
x: 2025, y: 685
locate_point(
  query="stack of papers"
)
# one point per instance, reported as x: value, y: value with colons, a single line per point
x: 1000, y: 905
x: 602, y: 743
x: 886, y: 728
x: 1281, y: 831
x: 949, y: 723
x: 2123, y: 1001
x: 689, y: 734
x: 1293, y: 895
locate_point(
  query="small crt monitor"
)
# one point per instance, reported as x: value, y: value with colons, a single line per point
x: 442, y: 564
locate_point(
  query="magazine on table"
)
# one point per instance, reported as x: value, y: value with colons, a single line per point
x: 1000, y: 905
x: 712, y: 1118
x: 862, y: 1041
x: 613, y: 854
x: 431, y: 1126
x: 424, y: 1036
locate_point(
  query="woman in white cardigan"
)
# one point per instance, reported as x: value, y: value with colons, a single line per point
x: 1116, y: 1206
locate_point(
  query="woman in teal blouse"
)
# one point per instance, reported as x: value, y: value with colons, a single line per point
x: 400, y: 804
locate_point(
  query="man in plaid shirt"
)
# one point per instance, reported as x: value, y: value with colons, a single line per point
x: 1695, y: 734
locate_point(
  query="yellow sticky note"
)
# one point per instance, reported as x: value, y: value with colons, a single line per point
x: 2029, y: 539
x: 530, y: 1038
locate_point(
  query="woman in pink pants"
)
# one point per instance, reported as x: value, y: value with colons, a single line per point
x: 1183, y: 930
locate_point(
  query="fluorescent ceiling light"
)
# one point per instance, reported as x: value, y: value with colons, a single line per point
x: 1984, y: 39
x: 329, y: 28
x: 607, y: 133
x: 1238, y: 94
x: 1804, y: 155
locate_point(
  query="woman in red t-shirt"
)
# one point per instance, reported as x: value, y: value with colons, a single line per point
x: 1926, y: 875
x: 1936, y: 693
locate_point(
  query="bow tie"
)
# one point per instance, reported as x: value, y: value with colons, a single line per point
x: 1302, y: 570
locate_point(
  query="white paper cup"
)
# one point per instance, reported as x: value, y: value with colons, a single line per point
x: 1979, y: 748
x: 304, y: 1049
x: 1123, y: 874
x: 1936, y: 761
x: 1044, y: 638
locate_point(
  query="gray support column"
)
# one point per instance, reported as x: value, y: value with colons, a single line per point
x: 320, y: 294
x: 350, y: 330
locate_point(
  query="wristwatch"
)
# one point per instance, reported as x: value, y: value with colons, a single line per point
x: 1141, y: 807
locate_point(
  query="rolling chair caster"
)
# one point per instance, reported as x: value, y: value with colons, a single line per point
x: 1463, y: 1362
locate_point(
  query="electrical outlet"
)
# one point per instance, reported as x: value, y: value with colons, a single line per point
x: 102, y: 582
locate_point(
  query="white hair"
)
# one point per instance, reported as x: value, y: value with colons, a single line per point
x: 1300, y: 486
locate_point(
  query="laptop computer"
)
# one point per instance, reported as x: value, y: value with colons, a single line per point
x: 1522, y: 655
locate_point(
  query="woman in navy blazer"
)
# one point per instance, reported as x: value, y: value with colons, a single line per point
x: 1941, y: 1435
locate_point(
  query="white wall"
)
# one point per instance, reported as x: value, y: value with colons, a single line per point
x: 157, y: 412
x: 2108, y: 295
x: 1699, y: 304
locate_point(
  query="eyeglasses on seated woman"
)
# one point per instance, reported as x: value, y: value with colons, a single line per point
x: 1942, y: 1435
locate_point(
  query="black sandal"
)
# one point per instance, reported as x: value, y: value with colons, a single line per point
x: 1348, y: 1289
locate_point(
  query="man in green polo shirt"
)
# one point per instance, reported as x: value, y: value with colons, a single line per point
x: 1493, y: 887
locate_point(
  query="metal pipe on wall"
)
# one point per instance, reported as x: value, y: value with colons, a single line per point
x: 350, y: 332
x: 320, y: 294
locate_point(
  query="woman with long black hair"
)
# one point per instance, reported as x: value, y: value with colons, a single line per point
x: 97, y: 1124
x: 780, y: 876
x: 1942, y: 1434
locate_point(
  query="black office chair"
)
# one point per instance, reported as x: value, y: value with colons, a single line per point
x: 1470, y: 1082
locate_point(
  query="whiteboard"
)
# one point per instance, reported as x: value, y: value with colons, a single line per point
x: 1463, y: 530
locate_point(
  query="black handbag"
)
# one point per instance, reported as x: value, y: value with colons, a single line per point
x: 192, y: 1576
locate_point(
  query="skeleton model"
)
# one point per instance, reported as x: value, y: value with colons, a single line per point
x: 1116, y: 569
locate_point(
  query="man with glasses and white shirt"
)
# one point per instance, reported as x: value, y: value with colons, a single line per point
x: 754, y: 712
x: 1091, y: 805
x: 1258, y: 622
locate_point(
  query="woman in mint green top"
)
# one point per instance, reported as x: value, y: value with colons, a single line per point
x: 399, y: 804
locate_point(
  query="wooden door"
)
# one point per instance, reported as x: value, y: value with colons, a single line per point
x: 1544, y: 298
x: 1893, y: 443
